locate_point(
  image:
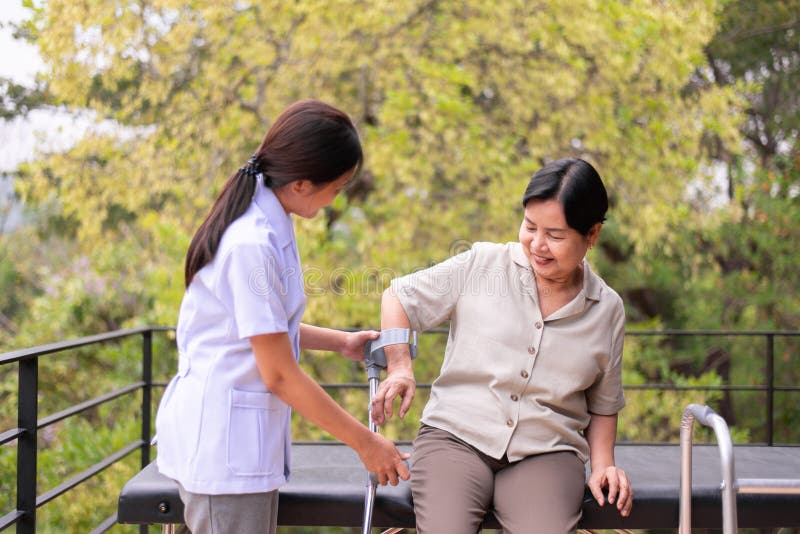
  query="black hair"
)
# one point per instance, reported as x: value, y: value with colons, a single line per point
x: 577, y: 186
x: 310, y: 140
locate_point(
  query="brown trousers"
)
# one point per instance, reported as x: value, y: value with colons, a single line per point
x: 454, y: 485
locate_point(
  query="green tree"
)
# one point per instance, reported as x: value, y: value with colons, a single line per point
x: 728, y: 262
x: 756, y: 48
x: 457, y: 102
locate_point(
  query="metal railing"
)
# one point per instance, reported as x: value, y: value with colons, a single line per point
x: 768, y: 387
x: 29, y: 423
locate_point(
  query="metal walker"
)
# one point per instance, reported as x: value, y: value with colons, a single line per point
x: 730, y: 485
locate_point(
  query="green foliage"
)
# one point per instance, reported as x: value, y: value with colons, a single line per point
x: 17, y: 259
x: 457, y: 103
x: 76, y: 445
x: 16, y: 99
x: 756, y: 46
x: 8, y: 483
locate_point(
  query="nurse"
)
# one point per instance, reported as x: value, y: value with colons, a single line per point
x: 223, y: 422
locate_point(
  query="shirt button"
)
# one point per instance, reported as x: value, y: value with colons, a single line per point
x: 509, y: 423
x: 514, y: 398
x: 538, y: 324
x: 524, y: 374
x: 531, y: 350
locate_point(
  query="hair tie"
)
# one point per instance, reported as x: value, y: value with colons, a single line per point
x: 251, y: 168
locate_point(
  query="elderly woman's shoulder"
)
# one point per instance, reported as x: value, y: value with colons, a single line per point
x: 477, y: 247
x: 488, y: 248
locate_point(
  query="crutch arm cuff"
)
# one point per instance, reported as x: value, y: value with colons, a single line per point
x: 376, y: 356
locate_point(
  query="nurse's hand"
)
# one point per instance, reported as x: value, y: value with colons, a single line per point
x: 354, y: 343
x: 382, y: 458
x: 399, y: 383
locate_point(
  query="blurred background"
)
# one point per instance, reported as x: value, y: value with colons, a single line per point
x: 121, y: 120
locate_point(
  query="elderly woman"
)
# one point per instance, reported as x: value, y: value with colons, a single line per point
x: 531, y: 384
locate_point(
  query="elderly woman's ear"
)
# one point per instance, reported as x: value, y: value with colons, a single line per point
x: 594, y: 233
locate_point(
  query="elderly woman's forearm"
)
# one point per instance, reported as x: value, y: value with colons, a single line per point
x: 601, y: 435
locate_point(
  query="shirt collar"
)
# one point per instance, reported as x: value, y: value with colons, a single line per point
x: 276, y: 216
x: 591, y: 282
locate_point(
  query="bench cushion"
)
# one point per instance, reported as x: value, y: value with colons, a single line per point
x: 328, y: 484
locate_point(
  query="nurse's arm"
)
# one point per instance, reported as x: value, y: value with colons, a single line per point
x: 399, y: 380
x: 601, y: 436
x: 349, y: 344
x: 284, y: 378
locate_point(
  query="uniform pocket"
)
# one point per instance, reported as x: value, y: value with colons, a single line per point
x: 256, y: 429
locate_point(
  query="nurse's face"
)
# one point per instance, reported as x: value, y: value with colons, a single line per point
x: 554, y: 249
x: 312, y: 198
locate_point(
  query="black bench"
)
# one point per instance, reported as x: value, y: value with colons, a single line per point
x: 328, y: 483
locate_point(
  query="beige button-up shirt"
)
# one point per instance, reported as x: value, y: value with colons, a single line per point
x: 513, y: 382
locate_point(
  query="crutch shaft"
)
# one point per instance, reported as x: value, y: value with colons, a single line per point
x: 375, y: 360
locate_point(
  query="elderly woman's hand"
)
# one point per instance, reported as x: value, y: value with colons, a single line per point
x: 399, y: 383
x: 619, y: 487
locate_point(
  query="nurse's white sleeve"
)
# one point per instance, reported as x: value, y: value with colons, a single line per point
x: 251, y: 282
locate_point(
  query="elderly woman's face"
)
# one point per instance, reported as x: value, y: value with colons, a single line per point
x: 554, y: 250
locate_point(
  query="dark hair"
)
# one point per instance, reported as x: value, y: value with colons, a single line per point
x: 577, y: 186
x: 310, y: 140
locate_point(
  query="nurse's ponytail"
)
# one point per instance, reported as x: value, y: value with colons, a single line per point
x: 310, y: 140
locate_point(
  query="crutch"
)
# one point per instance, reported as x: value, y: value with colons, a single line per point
x: 375, y: 361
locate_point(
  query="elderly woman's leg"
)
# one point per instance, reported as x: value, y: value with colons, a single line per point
x: 542, y: 494
x: 450, y: 482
